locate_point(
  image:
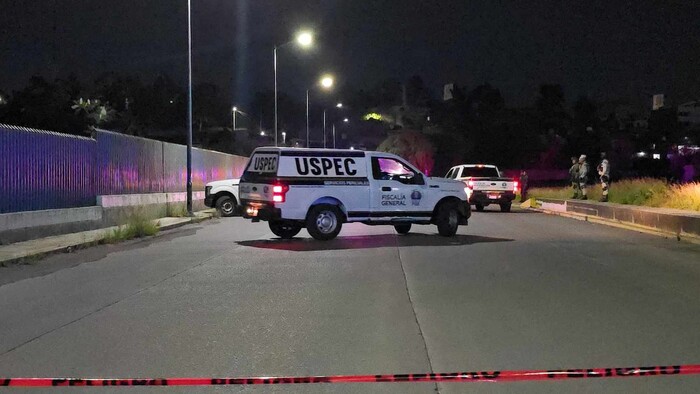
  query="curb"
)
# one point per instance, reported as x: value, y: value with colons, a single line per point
x: 20, y: 251
x: 623, y: 225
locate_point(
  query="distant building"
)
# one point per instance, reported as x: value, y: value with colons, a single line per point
x: 657, y: 102
x: 689, y: 113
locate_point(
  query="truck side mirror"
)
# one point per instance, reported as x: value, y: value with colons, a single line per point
x: 419, y: 179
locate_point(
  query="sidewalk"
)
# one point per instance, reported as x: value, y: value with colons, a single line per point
x: 37, y: 247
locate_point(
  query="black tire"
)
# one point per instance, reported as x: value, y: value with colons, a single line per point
x: 284, y: 229
x: 402, y: 228
x: 226, y: 205
x: 324, y: 222
x: 479, y: 208
x: 505, y: 207
x: 447, y: 219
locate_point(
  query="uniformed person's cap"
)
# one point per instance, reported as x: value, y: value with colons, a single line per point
x: 583, y: 157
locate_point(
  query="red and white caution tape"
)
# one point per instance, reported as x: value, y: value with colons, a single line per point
x: 455, y: 377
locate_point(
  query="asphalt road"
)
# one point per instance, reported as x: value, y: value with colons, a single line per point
x: 223, y: 298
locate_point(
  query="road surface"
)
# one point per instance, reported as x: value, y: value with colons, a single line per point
x: 223, y: 298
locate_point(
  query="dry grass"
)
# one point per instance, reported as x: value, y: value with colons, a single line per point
x: 137, y: 226
x: 644, y: 191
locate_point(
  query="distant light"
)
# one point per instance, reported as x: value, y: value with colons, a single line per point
x: 305, y: 39
x: 346, y: 120
x: 171, y: 101
x: 235, y: 109
x: 656, y: 156
x: 641, y: 154
x: 284, y: 133
x: 373, y: 116
x: 340, y: 105
x: 262, y: 133
x: 352, y: 148
x: 327, y: 81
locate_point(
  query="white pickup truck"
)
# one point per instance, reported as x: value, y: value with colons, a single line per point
x: 223, y: 195
x: 485, y: 186
x: 321, y: 189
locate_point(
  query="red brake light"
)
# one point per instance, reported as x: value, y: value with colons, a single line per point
x: 516, y: 185
x: 470, y: 184
x: 279, y: 192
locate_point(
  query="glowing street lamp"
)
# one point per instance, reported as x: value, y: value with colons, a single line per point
x: 346, y: 120
x: 326, y: 83
x: 304, y: 39
x: 339, y: 105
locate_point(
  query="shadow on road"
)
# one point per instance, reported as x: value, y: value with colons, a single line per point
x: 368, y: 242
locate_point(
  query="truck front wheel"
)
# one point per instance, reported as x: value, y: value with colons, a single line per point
x: 284, y: 229
x: 447, y: 219
x: 324, y: 222
x: 226, y: 205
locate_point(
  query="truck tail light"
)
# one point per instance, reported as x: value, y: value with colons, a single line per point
x: 279, y: 192
x: 470, y: 185
x: 516, y: 186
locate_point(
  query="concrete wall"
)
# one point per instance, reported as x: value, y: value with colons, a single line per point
x: 111, y: 210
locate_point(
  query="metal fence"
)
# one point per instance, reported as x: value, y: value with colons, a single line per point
x: 46, y: 170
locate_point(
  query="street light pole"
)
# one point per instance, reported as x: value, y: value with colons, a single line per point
x: 307, y: 118
x: 333, y: 135
x: 324, y: 128
x: 275, y: 66
x: 189, y: 108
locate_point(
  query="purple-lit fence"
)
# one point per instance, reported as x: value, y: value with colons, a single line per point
x: 44, y: 170
x: 47, y: 170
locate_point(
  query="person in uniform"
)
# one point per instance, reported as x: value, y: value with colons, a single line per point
x: 573, y: 176
x: 583, y: 176
x: 604, y: 173
x: 523, y: 185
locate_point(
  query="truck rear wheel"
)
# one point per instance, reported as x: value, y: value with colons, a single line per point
x: 447, y: 219
x: 284, y: 229
x: 324, y: 222
x: 402, y: 228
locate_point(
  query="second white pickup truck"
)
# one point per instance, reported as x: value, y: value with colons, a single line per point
x: 485, y: 186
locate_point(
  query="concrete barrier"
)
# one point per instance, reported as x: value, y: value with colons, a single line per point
x: 22, y: 226
x: 110, y: 211
x: 674, y: 221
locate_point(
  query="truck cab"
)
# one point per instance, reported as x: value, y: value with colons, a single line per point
x: 222, y: 195
x: 320, y: 189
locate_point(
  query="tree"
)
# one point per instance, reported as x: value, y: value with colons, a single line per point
x: 551, y: 109
x: 96, y: 112
x: 412, y: 146
x: 46, y: 105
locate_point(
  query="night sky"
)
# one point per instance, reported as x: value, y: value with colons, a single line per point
x: 605, y: 49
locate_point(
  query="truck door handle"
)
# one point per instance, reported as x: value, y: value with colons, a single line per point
x: 386, y: 189
x: 435, y: 186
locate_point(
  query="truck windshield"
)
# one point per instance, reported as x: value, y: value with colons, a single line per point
x: 479, y: 172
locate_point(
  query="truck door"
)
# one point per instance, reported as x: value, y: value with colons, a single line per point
x: 396, y: 190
